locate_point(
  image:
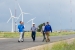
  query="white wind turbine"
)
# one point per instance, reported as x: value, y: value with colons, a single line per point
x: 31, y: 20
x: 22, y: 13
x: 12, y: 17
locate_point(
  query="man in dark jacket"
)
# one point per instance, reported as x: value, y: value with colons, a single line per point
x: 43, y: 32
x: 47, y: 31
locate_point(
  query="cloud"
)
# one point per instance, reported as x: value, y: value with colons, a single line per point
x: 44, y: 10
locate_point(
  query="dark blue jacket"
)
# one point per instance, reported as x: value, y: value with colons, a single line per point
x: 21, y: 28
x: 48, y: 28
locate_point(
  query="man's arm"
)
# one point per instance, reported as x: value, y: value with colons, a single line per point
x: 45, y: 29
x: 24, y: 28
x: 41, y: 29
x: 31, y: 28
x: 18, y: 26
x: 51, y: 29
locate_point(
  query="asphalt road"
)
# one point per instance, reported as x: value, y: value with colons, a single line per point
x: 12, y: 44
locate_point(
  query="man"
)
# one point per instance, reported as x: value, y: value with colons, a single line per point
x: 47, y: 31
x: 21, y: 30
x: 33, y: 30
x: 43, y: 32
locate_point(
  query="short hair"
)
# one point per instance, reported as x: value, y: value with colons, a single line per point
x: 47, y: 22
x: 43, y: 23
x: 20, y: 21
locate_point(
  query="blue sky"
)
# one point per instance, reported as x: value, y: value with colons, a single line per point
x: 44, y: 10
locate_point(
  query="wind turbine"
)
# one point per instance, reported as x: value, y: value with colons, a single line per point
x: 22, y: 13
x: 12, y: 17
x: 31, y: 20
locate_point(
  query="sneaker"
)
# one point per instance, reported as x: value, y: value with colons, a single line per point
x: 43, y: 40
x: 22, y: 41
x: 18, y: 41
x: 48, y: 40
x: 33, y: 40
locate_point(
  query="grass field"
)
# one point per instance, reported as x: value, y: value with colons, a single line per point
x: 28, y: 34
x: 61, y: 46
x: 64, y: 46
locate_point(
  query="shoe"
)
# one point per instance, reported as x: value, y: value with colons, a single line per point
x: 18, y: 41
x: 33, y: 40
x: 43, y: 40
x: 22, y: 41
x: 48, y: 40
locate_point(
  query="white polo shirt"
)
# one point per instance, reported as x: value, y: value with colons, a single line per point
x: 33, y: 29
x: 43, y: 27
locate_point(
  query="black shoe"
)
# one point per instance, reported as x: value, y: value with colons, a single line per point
x: 33, y: 40
x: 18, y: 41
x: 42, y: 40
x: 48, y: 40
x: 22, y: 41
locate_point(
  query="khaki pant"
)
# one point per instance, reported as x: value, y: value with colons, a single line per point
x: 20, y: 38
x: 47, y: 36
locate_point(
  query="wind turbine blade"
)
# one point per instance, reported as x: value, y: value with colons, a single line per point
x: 34, y: 18
x: 29, y: 21
x: 26, y: 13
x: 20, y: 8
x: 18, y: 17
x: 10, y: 11
x: 15, y: 17
x: 9, y: 19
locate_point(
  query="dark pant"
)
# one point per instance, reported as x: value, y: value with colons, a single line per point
x: 44, y: 38
x: 33, y: 35
x: 23, y: 36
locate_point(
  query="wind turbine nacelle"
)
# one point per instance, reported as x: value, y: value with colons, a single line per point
x: 14, y: 17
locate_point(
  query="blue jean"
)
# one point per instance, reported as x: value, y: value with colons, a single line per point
x: 33, y: 35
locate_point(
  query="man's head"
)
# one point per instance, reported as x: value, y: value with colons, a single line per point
x: 47, y: 23
x: 20, y: 22
x: 44, y: 24
x: 33, y: 24
x: 23, y: 23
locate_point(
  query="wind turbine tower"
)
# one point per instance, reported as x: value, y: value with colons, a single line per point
x: 12, y: 17
x: 31, y: 20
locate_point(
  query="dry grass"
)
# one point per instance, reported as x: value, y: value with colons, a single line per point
x: 28, y: 34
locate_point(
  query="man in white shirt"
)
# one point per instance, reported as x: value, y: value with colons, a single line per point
x: 43, y: 32
x: 33, y: 30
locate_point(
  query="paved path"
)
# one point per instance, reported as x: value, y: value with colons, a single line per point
x: 12, y: 44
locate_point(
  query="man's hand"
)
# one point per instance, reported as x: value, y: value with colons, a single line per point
x: 44, y: 32
x: 51, y: 32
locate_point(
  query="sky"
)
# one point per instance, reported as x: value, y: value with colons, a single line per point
x: 58, y: 12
